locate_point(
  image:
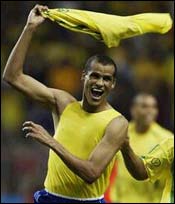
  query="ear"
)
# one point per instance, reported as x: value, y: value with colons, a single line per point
x: 114, y: 84
x: 157, y: 112
x: 83, y: 75
x: 132, y: 111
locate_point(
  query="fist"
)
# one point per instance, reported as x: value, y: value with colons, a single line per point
x: 35, y: 18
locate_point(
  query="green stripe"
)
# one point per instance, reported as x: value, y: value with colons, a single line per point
x: 172, y: 188
x: 153, y: 148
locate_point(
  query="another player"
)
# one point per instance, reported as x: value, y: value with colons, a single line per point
x: 157, y: 164
x: 144, y: 133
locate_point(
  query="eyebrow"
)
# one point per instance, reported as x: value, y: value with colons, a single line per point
x: 95, y: 72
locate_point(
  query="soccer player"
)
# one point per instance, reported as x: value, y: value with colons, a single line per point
x: 144, y: 133
x: 157, y: 164
x: 89, y: 133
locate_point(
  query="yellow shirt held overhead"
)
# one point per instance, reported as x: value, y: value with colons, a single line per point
x: 108, y: 28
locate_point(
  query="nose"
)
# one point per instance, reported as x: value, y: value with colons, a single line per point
x: 100, y: 82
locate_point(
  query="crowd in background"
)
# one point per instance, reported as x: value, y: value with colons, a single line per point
x: 56, y: 58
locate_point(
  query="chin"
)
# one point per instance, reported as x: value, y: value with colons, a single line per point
x: 94, y: 103
x: 148, y: 123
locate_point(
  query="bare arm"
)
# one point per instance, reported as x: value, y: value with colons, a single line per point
x: 133, y: 162
x: 92, y: 168
x: 13, y: 72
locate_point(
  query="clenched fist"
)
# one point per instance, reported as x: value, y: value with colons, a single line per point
x: 35, y: 18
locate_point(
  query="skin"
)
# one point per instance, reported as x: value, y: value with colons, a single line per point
x: 133, y: 162
x: 144, y: 111
x: 100, y: 77
x: 56, y: 100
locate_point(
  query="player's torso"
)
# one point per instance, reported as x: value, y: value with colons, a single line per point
x: 79, y: 132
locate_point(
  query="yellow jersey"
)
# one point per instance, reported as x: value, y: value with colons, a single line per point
x: 139, y: 191
x: 103, y: 26
x: 160, y: 164
x: 79, y: 132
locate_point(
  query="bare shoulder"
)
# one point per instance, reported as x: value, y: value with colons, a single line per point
x: 62, y: 99
x: 118, y: 122
x: 117, y: 127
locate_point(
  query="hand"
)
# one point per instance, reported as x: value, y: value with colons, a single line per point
x: 37, y: 132
x: 35, y: 18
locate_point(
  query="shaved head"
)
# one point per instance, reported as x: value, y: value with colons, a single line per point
x: 144, y: 109
x: 143, y: 96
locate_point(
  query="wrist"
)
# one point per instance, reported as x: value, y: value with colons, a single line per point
x: 51, y: 142
x: 30, y: 27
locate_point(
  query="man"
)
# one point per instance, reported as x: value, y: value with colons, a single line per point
x: 89, y: 133
x: 144, y: 134
x: 157, y: 164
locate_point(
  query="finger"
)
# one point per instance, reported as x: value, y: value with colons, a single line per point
x: 36, y: 6
x: 41, y: 8
x: 37, y: 9
x: 28, y: 128
x: 29, y: 123
x: 30, y: 134
x: 27, y: 135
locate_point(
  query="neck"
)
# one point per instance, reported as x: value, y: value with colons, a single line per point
x: 141, y: 128
x: 94, y: 109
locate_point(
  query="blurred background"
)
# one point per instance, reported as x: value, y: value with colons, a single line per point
x: 56, y: 57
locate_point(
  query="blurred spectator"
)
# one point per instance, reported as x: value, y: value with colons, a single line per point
x: 144, y: 133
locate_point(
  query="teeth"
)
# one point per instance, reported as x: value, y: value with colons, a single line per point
x: 100, y: 91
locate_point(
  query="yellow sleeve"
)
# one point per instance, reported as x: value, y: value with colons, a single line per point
x: 159, y: 159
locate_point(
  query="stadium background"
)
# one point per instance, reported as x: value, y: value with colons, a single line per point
x: 56, y: 57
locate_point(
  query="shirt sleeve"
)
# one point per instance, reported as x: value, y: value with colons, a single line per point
x: 159, y: 159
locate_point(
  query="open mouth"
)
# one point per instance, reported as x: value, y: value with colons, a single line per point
x: 96, y: 93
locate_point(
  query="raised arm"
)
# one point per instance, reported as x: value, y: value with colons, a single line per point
x: 13, y: 72
x: 92, y: 168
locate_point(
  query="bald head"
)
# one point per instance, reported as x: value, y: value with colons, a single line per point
x: 144, y: 109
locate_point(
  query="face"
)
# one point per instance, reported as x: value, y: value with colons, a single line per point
x: 144, y: 110
x: 98, y: 82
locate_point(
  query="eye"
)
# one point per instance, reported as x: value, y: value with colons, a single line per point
x: 107, y: 78
x: 94, y: 76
